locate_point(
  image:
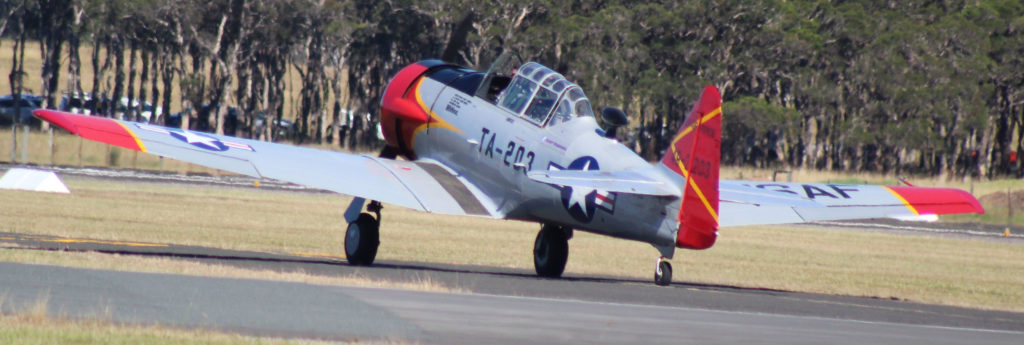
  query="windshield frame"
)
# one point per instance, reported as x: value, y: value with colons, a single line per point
x: 553, y: 86
x: 574, y: 101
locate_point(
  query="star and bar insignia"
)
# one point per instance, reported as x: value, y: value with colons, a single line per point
x: 200, y: 140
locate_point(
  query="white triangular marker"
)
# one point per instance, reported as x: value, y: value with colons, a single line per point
x: 33, y: 180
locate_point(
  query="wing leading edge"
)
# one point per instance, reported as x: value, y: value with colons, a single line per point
x: 759, y: 203
x: 423, y: 186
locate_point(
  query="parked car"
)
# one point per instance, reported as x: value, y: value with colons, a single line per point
x: 81, y: 104
x: 28, y: 104
x: 84, y: 104
x: 230, y: 121
x: 284, y: 129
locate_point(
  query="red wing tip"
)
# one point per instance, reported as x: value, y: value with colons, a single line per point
x: 58, y: 118
x: 46, y: 113
x: 100, y: 129
x: 939, y: 200
x: 969, y: 199
x: 974, y: 203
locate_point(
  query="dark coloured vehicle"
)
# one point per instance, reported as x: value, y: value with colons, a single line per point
x: 28, y: 103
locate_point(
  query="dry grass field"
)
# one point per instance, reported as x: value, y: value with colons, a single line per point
x: 34, y: 326
x: 976, y: 273
x: 101, y: 261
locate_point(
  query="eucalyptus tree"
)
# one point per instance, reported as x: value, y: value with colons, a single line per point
x: 388, y: 36
x: 217, y: 32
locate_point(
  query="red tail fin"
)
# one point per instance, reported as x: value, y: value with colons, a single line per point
x: 695, y: 154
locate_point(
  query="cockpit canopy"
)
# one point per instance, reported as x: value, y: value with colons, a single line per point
x: 536, y: 92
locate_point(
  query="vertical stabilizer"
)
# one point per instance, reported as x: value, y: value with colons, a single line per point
x: 695, y: 154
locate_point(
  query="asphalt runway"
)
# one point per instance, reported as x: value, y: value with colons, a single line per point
x: 505, y: 306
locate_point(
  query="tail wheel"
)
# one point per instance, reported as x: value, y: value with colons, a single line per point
x: 663, y: 274
x: 551, y: 251
x: 362, y: 239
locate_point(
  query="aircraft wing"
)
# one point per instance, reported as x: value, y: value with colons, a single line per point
x: 611, y: 181
x: 758, y: 203
x: 417, y: 185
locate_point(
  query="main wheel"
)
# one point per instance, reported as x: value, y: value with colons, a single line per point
x: 550, y: 251
x: 361, y: 240
x: 663, y: 275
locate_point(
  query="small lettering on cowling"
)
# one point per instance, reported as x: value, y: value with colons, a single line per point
x: 455, y: 104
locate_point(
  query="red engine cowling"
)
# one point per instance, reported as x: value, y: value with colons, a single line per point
x: 400, y: 110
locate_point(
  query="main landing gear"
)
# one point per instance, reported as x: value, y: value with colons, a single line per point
x: 363, y: 236
x: 551, y: 250
x: 663, y: 273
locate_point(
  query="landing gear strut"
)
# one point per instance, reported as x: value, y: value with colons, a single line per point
x: 551, y: 250
x: 663, y: 273
x: 363, y: 237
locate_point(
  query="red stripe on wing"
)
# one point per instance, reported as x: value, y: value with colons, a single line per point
x: 939, y: 200
x: 93, y: 128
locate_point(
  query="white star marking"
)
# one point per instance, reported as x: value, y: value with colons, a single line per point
x: 193, y: 138
x: 579, y: 194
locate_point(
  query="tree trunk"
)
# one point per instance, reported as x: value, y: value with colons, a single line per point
x: 130, y: 112
x: 6, y: 18
x: 154, y: 66
x: 253, y: 96
x: 115, y: 96
x: 341, y: 97
x: 167, y: 76
x: 143, y: 82
x: 242, y: 93
x: 312, y: 86
x: 97, y: 72
x: 74, y: 87
x: 15, y: 80
x: 52, y: 29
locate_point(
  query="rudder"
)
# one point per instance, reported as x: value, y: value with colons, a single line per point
x: 695, y: 154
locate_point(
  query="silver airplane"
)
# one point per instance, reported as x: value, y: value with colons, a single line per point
x: 521, y: 142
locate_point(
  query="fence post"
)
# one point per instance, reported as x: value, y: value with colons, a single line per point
x: 24, y: 145
x: 50, y: 130
x: 14, y: 142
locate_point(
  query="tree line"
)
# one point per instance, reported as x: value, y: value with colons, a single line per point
x: 931, y: 87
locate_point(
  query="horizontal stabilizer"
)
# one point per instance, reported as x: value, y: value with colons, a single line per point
x: 762, y: 203
x: 611, y: 181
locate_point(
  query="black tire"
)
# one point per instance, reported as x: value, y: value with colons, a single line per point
x: 550, y: 251
x: 361, y: 240
x: 663, y: 275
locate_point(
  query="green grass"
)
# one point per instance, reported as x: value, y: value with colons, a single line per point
x: 982, y: 274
